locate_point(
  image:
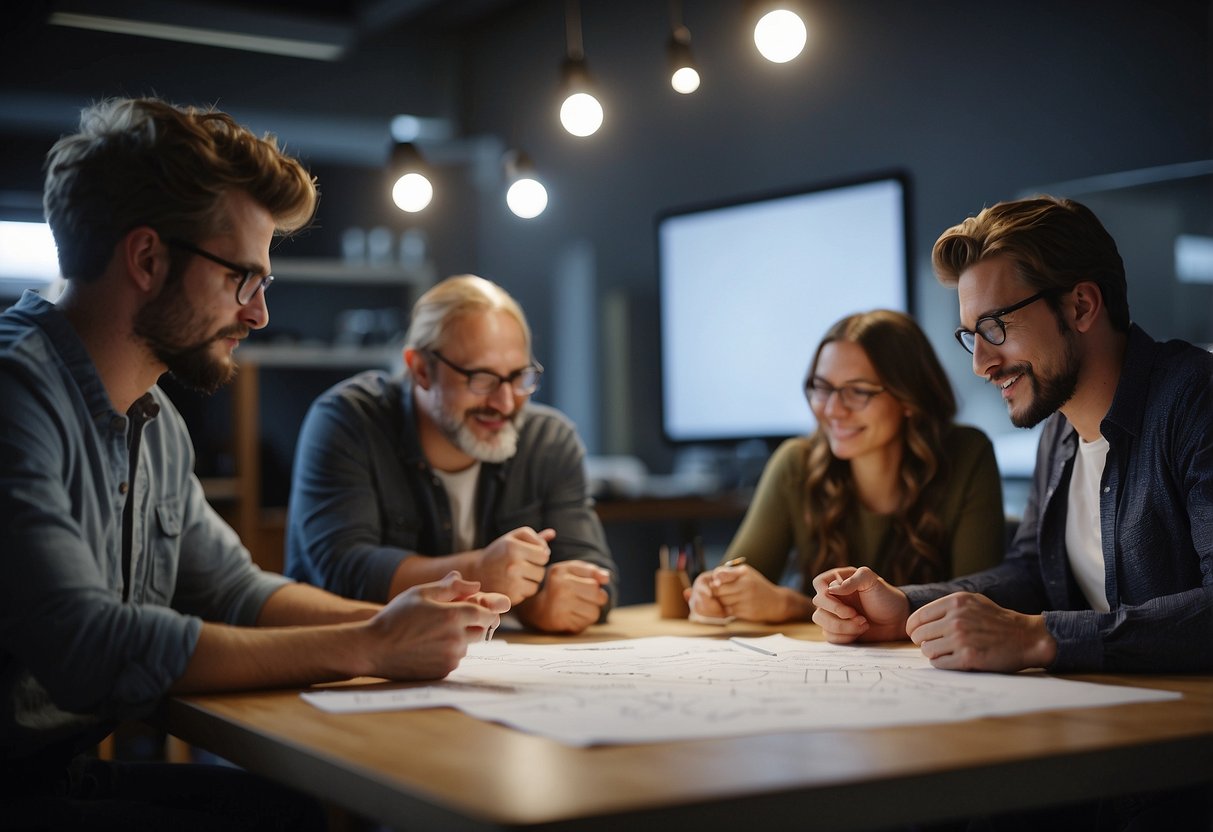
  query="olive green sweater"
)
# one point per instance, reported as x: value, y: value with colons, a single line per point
x: 775, y: 528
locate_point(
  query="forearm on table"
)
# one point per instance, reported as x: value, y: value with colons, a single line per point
x: 421, y: 569
x: 240, y: 658
x: 299, y: 603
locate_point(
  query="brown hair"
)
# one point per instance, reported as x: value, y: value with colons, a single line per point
x: 911, y: 372
x: 1054, y: 244
x: 143, y: 161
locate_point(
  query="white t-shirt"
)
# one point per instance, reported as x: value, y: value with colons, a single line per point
x: 1084, y: 542
x: 461, y: 492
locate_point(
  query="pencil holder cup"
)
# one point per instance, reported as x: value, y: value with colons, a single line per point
x: 669, y: 586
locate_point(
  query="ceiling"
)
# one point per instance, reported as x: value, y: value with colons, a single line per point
x: 325, y: 75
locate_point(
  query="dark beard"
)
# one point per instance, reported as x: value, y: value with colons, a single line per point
x: 169, y: 317
x: 197, y: 369
x: 1049, y: 394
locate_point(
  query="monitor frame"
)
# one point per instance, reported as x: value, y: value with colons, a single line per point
x: 899, y: 177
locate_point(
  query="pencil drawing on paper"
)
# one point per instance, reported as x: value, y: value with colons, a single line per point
x: 666, y: 688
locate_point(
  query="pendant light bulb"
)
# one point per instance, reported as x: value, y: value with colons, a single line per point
x: 581, y: 114
x: 685, y: 80
x: 526, y: 196
x: 684, y: 77
x: 780, y: 35
x: 412, y: 190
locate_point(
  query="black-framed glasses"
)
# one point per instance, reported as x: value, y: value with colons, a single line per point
x: 818, y: 392
x: 991, y: 326
x: 523, y: 382
x: 250, y: 281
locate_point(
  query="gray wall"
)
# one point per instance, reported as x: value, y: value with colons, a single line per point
x: 978, y: 102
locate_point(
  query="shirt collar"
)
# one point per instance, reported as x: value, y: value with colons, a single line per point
x: 1129, y: 403
x: 66, y: 342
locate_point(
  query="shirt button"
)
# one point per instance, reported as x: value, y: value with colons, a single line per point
x: 123, y: 488
x: 1107, y: 488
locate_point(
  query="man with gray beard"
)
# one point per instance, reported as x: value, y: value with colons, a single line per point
x: 399, y: 479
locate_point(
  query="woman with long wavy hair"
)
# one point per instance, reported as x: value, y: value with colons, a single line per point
x: 887, y: 480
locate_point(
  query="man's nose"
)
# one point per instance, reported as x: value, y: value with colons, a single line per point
x: 256, y: 313
x: 502, y: 399
x: 985, y: 357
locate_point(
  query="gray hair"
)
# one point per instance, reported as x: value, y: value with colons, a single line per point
x: 456, y: 296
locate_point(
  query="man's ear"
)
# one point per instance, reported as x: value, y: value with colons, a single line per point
x: 1087, y: 304
x: 143, y: 258
x: 419, y: 368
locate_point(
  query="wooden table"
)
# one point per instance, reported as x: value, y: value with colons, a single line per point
x: 440, y: 769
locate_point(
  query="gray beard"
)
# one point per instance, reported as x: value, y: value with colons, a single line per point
x: 503, y: 447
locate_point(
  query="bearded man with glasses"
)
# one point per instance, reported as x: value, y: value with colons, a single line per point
x: 121, y: 584
x: 1111, y: 569
x: 449, y: 465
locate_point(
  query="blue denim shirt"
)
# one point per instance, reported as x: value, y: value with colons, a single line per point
x: 363, y: 496
x: 1156, y: 524
x: 73, y: 652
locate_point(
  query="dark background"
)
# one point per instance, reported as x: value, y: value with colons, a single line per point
x: 976, y: 102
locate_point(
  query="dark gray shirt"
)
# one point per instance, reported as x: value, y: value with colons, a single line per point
x: 363, y: 497
x: 1156, y: 524
x: 97, y: 622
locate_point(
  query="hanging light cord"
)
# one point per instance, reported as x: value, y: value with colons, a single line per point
x: 572, y: 25
x: 677, y: 28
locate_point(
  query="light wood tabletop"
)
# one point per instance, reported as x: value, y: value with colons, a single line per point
x: 441, y: 769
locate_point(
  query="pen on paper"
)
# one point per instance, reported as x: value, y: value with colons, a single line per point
x: 753, y: 647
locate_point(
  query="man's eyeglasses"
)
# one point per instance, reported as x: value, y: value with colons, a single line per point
x: 818, y: 392
x: 250, y: 280
x: 523, y: 382
x: 991, y: 327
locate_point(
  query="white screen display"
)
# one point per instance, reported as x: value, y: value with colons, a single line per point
x: 747, y: 291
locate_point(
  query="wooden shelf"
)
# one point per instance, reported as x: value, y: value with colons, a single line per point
x: 728, y: 505
x: 332, y: 270
x: 319, y: 356
x: 221, y: 489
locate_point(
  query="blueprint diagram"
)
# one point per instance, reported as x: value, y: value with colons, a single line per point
x: 667, y: 688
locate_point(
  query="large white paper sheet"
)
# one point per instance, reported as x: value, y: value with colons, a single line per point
x: 673, y: 688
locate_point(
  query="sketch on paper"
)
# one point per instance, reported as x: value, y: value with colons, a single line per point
x: 667, y: 688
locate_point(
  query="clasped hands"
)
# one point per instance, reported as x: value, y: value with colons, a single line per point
x: 566, y: 596
x: 961, y: 631
x: 740, y: 591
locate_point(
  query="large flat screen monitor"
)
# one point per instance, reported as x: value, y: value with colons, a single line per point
x: 749, y: 287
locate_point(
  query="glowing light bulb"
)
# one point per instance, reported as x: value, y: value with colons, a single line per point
x: 527, y: 198
x: 780, y: 36
x: 412, y: 192
x: 581, y: 114
x: 685, y: 80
